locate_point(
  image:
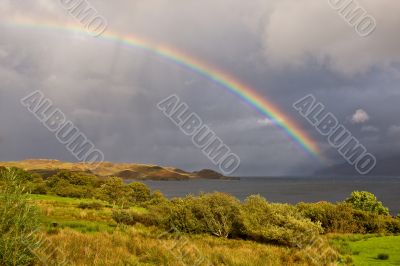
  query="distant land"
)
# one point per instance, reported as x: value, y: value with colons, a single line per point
x: 131, y: 171
x: 389, y: 167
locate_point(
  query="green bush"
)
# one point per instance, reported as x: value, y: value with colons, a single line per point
x: 277, y: 223
x: 156, y: 198
x: 366, y: 201
x: 334, y: 218
x: 115, y: 191
x: 131, y: 218
x: 343, y: 218
x: 33, y: 182
x: 140, y: 193
x: 18, y: 222
x: 214, y: 213
x: 383, y: 256
x: 74, y: 185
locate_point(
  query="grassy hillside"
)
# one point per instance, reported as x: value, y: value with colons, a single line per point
x: 92, y: 237
x: 124, y: 170
x: 79, y: 219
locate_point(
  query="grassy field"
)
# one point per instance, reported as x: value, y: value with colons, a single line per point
x: 91, y: 237
x: 89, y: 231
x: 371, y: 250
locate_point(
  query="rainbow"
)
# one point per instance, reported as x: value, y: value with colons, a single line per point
x: 233, y: 85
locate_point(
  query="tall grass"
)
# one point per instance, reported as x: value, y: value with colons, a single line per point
x: 18, y: 222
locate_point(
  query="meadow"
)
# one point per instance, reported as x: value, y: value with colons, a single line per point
x: 76, y: 219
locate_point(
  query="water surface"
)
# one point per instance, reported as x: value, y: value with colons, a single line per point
x: 290, y: 189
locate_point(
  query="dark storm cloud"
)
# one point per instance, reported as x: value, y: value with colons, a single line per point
x: 284, y: 49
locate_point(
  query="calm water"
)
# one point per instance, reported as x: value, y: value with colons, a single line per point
x: 290, y: 190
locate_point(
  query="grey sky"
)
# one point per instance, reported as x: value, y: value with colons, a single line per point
x: 283, y: 48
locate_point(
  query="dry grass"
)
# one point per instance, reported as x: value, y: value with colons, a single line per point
x: 144, y: 246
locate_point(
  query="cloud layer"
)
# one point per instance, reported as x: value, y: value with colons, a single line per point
x: 283, y: 48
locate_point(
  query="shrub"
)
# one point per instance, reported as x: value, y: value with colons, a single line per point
x: 334, y: 218
x: 115, y: 191
x: 276, y: 223
x: 343, y: 218
x: 74, y: 185
x: 366, y: 201
x: 90, y: 206
x: 214, y: 213
x: 131, y: 218
x: 18, y: 222
x: 156, y: 198
x: 383, y: 256
x: 140, y: 193
x: 219, y: 213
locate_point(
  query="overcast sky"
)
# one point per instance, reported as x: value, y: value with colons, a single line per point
x: 285, y: 49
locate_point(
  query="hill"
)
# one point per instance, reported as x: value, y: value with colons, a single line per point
x: 48, y: 168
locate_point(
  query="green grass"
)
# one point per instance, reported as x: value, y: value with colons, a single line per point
x: 60, y: 212
x: 365, y: 249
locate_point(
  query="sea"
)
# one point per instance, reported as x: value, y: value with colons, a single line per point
x: 290, y: 189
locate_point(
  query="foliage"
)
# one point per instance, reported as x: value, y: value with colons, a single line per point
x: 333, y: 217
x: 366, y: 201
x: 343, y: 218
x: 140, y: 193
x: 131, y: 218
x: 34, y: 183
x: 18, y: 222
x: 214, y: 213
x: 70, y: 184
x: 115, y: 191
x: 277, y: 223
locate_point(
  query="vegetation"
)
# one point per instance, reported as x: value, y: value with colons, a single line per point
x: 18, y: 222
x: 88, y: 220
x: 368, y: 249
x: 366, y: 201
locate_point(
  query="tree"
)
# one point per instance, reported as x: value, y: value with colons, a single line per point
x: 115, y: 191
x: 72, y: 184
x: 366, y: 201
x: 220, y: 213
x: 140, y: 192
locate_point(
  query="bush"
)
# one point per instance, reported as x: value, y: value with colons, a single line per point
x: 277, y: 223
x: 343, y: 218
x: 90, y: 206
x: 140, y: 193
x: 156, y: 198
x: 383, y: 256
x: 18, y: 222
x: 334, y: 218
x: 214, y: 213
x: 74, y: 185
x: 115, y: 191
x: 131, y: 218
x: 366, y: 201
